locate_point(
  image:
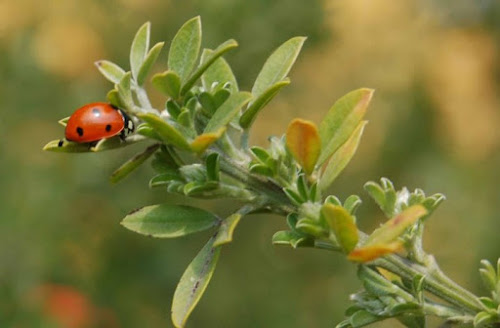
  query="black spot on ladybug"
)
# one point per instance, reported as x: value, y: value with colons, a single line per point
x: 79, y: 130
x: 108, y: 127
x: 60, y: 143
x: 96, y: 112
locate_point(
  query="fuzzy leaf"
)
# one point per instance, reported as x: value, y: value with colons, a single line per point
x: 291, y: 238
x: 278, y: 65
x: 302, y: 139
x: 227, y: 111
x: 165, y: 131
x: 341, y: 158
x: 363, y: 318
x: 221, y: 49
x: 133, y: 163
x: 65, y: 146
x: 203, y: 141
x: 394, y: 227
x: 193, y: 283
x: 124, y: 91
x: 225, y: 234
x: 148, y: 62
x: 342, y: 225
x: 185, y: 48
x: 342, y: 120
x: 262, y: 100
x: 219, y: 72
x: 169, y: 221
x: 139, y: 48
x: 168, y: 82
x: 111, y: 71
x: 114, y: 98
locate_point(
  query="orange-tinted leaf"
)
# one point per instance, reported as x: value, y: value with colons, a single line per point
x: 201, y: 143
x: 393, y: 228
x: 302, y: 139
x: 342, y: 224
x: 371, y: 252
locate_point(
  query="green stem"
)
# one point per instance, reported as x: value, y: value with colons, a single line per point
x: 258, y: 184
x: 436, y: 282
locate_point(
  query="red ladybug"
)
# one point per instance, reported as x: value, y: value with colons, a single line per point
x: 97, y: 121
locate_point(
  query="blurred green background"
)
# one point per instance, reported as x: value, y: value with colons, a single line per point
x: 434, y: 124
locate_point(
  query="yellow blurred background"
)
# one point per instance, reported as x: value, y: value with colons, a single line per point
x: 434, y: 124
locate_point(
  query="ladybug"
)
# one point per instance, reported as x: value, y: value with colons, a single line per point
x: 97, y: 121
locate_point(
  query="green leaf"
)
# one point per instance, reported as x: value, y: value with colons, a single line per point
x: 302, y: 187
x: 139, y: 48
x: 147, y: 131
x: 342, y: 120
x: 114, y: 98
x: 352, y: 203
x: 168, y: 83
x: 133, y: 163
x: 116, y: 142
x: 278, y: 65
x: 376, y: 192
x: 185, y: 48
x: 294, y: 196
x: 341, y: 158
x: 302, y: 139
x: 148, y: 63
x: 262, y: 170
x: 260, y: 154
x: 165, y: 131
x: 65, y: 146
x: 63, y: 121
x: 292, y: 238
x: 172, y: 108
x: 124, y: 91
x: 164, y: 179
x: 363, y: 318
x: 413, y: 320
x: 227, y: 111
x: 225, y: 234
x: 221, y: 49
x: 110, y: 70
x: 212, y: 164
x: 206, y: 100
x: 193, y: 283
x: 262, y: 100
x: 169, y: 221
x: 221, y: 96
x: 484, y: 319
x: 342, y: 225
x: 195, y: 188
x: 394, y: 227
x: 219, y: 72
x: 311, y: 227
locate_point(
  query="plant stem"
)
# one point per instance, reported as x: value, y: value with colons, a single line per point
x: 436, y: 282
x: 466, y: 304
x: 263, y: 186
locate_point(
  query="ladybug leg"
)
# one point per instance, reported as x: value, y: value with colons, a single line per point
x: 128, y: 126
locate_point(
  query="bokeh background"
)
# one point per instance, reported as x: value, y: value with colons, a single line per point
x: 434, y: 124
